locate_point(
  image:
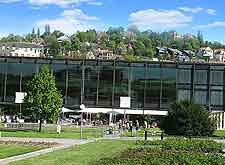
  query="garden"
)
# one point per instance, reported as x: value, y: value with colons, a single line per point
x: 169, y: 151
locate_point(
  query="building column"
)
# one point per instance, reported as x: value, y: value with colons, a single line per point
x: 221, y: 120
x: 217, y: 121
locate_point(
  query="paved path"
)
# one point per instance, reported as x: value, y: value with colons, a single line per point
x: 58, y: 145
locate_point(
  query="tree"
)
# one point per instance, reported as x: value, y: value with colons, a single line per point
x: 33, y: 33
x: 200, y: 38
x: 38, y: 32
x: 189, y: 119
x: 53, y: 45
x: 58, y: 33
x: 43, y: 100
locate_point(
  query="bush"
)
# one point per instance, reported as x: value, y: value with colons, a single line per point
x: 194, y: 145
x: 188, y: 119
x: 159, y: 156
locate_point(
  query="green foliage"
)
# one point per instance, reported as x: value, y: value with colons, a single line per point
x: 131, y: 58
x: 53, y: 45
x: 157, y: 156
x: 131, y: 41
x: 181, y: 144
x: 169, y: 151
x: 189, y: 119
x: 43, y: 100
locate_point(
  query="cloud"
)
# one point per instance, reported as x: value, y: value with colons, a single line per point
x: 158, y: 19
x: 61, y: 3
x: 192, y: 10
x: 216, y: 24
x: 211, y: 11
x: 9, y: 1
x: 95, y: 3
x: 197, y: 10
x: 70, y: 21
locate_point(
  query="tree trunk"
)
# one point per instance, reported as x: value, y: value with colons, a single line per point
x: 40, y: 124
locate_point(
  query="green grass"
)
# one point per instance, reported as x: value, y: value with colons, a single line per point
x: 88, y: 133
x: 80, y: 155
x: 219, y: 134
x: 13, y: 149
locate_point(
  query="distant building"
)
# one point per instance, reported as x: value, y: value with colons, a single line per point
x: 219, y: 55
x: 205, y: 52
x: 90, y: 55
x: 161, y: 52
x: 38, y: 41
x: 104, y: 54
x: 21, y: 49
x: 63, y: 39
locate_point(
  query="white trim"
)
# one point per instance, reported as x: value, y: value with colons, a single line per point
x: 127, y: 111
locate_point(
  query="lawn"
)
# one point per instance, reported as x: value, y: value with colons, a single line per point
x: 80, y: 155
x: 51, y: 133
x: 8, y: 149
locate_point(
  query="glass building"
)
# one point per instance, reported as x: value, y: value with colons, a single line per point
x: 152, y: 86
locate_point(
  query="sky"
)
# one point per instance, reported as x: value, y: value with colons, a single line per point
x: 69, y: 16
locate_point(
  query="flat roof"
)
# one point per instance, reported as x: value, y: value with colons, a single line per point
x: 6, y: 58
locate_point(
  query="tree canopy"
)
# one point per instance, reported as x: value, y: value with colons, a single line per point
x: 189, y: 119
x: 43, y: 101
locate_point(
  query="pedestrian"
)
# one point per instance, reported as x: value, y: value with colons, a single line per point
x: 137, y: 125
x: 162, y: 135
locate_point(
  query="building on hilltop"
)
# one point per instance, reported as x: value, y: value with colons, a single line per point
x: 21, y: 49
x: 219, y: 55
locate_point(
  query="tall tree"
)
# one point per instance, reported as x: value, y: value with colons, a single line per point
x: 43, y: 100
x: 38, y: 32
x: 200, y: 38
x: 33, y: 33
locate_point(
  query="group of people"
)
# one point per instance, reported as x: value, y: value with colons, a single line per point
x: 128, y: 125
x: 10, y: 119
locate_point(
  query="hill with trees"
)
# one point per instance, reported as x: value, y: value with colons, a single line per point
x: 130, y: 43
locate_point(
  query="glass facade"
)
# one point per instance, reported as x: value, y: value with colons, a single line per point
x: 151, y: 85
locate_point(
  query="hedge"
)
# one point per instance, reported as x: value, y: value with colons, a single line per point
x: 159, y: 156
x: 196, y: 145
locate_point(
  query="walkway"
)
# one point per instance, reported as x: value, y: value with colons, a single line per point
x: 58, y: 145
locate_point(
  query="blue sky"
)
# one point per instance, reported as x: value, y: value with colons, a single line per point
x: 185, y: 16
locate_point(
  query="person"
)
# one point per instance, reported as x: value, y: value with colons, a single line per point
x: 145, y: 124
x: 59, y: 126
x: 137, y: 125
x: 162, y: 135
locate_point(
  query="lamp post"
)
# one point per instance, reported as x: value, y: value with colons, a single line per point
x: 82, y: 107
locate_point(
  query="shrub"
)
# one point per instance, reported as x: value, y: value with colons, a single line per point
x: 188, y: 119
x: 206, y: 146
x: 159, y: 156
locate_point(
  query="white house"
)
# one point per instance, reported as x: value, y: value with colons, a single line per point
x: 219, y: 55
x: 205, y: 52
x: 21, y: 49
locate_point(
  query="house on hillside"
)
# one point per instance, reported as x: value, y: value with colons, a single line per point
x: 219, y: 55
x: 101, y: 54
x: 21, y: 49
x: 161, y: 52
x: 205, y: 52
x: 186, y: 55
